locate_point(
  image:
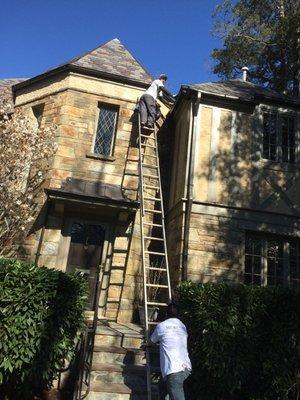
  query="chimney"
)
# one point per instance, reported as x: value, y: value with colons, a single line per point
x: 245, y: 73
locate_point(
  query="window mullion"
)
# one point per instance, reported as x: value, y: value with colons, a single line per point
x: 279, y: 137
x: 264, y: 263
x: 286, y: 263
x: 297, y: 139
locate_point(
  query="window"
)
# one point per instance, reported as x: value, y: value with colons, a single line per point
x: 38, y: 113
x: 279, y: 137
x: 106, y: 127
x: 272, y: 260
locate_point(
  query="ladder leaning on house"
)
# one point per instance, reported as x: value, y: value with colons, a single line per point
x: 156, y: 277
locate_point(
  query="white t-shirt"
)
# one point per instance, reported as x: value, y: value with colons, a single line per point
x: 153, y: 89
x: 172, y: 337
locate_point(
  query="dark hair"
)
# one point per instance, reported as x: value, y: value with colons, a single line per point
x: 172, y: 311
x: 163, y: 76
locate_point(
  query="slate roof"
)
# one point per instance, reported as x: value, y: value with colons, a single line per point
x: 112, y: 57
x: 80, y: 188
x: 6, y: 91
x: 244, y: 90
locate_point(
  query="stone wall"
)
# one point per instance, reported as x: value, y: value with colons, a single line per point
x: 71, y: 103
x: 234, y: 191
x: 217, y: 239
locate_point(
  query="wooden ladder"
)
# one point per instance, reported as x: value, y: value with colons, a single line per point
x: 156, y: 277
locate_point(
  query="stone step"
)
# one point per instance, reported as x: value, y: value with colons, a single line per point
x: 127, y: 377
x: 119, y: 388
x: 118, y: 391
x: 110, y: 338
x: 117, y: 396
x: 118, y: 355
x: 136, y: 369
x: 131, y: 374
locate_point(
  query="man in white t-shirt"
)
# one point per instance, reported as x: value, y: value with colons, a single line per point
x: 148, y: 102
x: 175, y: 363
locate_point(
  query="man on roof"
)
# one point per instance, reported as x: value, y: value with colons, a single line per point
x: 148, y: 102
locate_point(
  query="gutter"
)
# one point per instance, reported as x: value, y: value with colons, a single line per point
x: 190, y: 183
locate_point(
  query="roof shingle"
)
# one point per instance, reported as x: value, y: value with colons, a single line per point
x: 113, y: 58
x: 244, y: 90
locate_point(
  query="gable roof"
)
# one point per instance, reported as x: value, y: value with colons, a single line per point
x: 6, y: 94
x: 113, y: 57
x: 244, y: 91
x: 110, y: 61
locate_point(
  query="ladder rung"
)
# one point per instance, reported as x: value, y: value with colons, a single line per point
x: 152, y: 198
x: 150, y: 176
x: 156, y: 285
x: 155, y: 252
x: 151, y: 187
x: 132, y: 173
x: 149, y: 155
x: 152, y: 224
x: 153, y: 303
x: 149, y: 165
x: 153, y: 238
x: 148, y: 137
x: 156, y: 269
x: 148, y: 145
x: 152, y: 211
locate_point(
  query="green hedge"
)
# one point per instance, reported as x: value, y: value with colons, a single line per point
x: 243, y: 341
x: 41, y: 310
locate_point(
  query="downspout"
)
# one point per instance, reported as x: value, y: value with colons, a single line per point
x: 190, y: 184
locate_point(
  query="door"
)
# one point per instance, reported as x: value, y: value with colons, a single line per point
x: 85, y: 254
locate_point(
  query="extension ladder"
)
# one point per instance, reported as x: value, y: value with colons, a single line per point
x: 156, y: 277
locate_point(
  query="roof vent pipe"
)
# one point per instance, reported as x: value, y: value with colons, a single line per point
x: 245, y: 73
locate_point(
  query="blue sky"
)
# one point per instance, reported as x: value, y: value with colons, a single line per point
x: 170, y: 36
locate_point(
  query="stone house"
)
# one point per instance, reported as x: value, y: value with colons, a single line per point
x: 88, y: 217
x: 231, y: 179
x: 234, y: 187
x: 229, y: 160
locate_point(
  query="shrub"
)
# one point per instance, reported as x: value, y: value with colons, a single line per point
x: 243, y: 341
x: 41, y: 311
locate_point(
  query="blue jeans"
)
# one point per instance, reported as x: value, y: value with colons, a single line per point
x: 171, y: 388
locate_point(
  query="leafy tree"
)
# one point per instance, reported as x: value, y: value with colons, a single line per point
x: 263, y: 35
x: 25, y: 150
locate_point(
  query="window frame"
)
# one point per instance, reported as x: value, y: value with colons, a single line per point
x: 115, y: 108
x: 280, y: 113
x: 286, y: 258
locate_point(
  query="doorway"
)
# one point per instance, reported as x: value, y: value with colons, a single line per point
x: 85, y: 254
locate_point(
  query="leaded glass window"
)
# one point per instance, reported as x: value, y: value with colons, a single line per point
x: 279, y: 137
x: 270, y: 137
x: 86, y: 234
x: 106, y: 128
x: 288, y: 139
x: 272, y: 260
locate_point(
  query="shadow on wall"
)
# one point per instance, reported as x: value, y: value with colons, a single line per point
x: 233, y: 176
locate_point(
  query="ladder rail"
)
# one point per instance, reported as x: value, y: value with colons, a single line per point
x: 147, y: 267
x: 141, y: 190
x: 163, y: 220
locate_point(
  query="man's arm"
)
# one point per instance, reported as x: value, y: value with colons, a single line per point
x: 166, y: 96
x: 154, y: 338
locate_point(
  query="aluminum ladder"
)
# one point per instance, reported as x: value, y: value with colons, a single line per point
x: 156, y: 276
